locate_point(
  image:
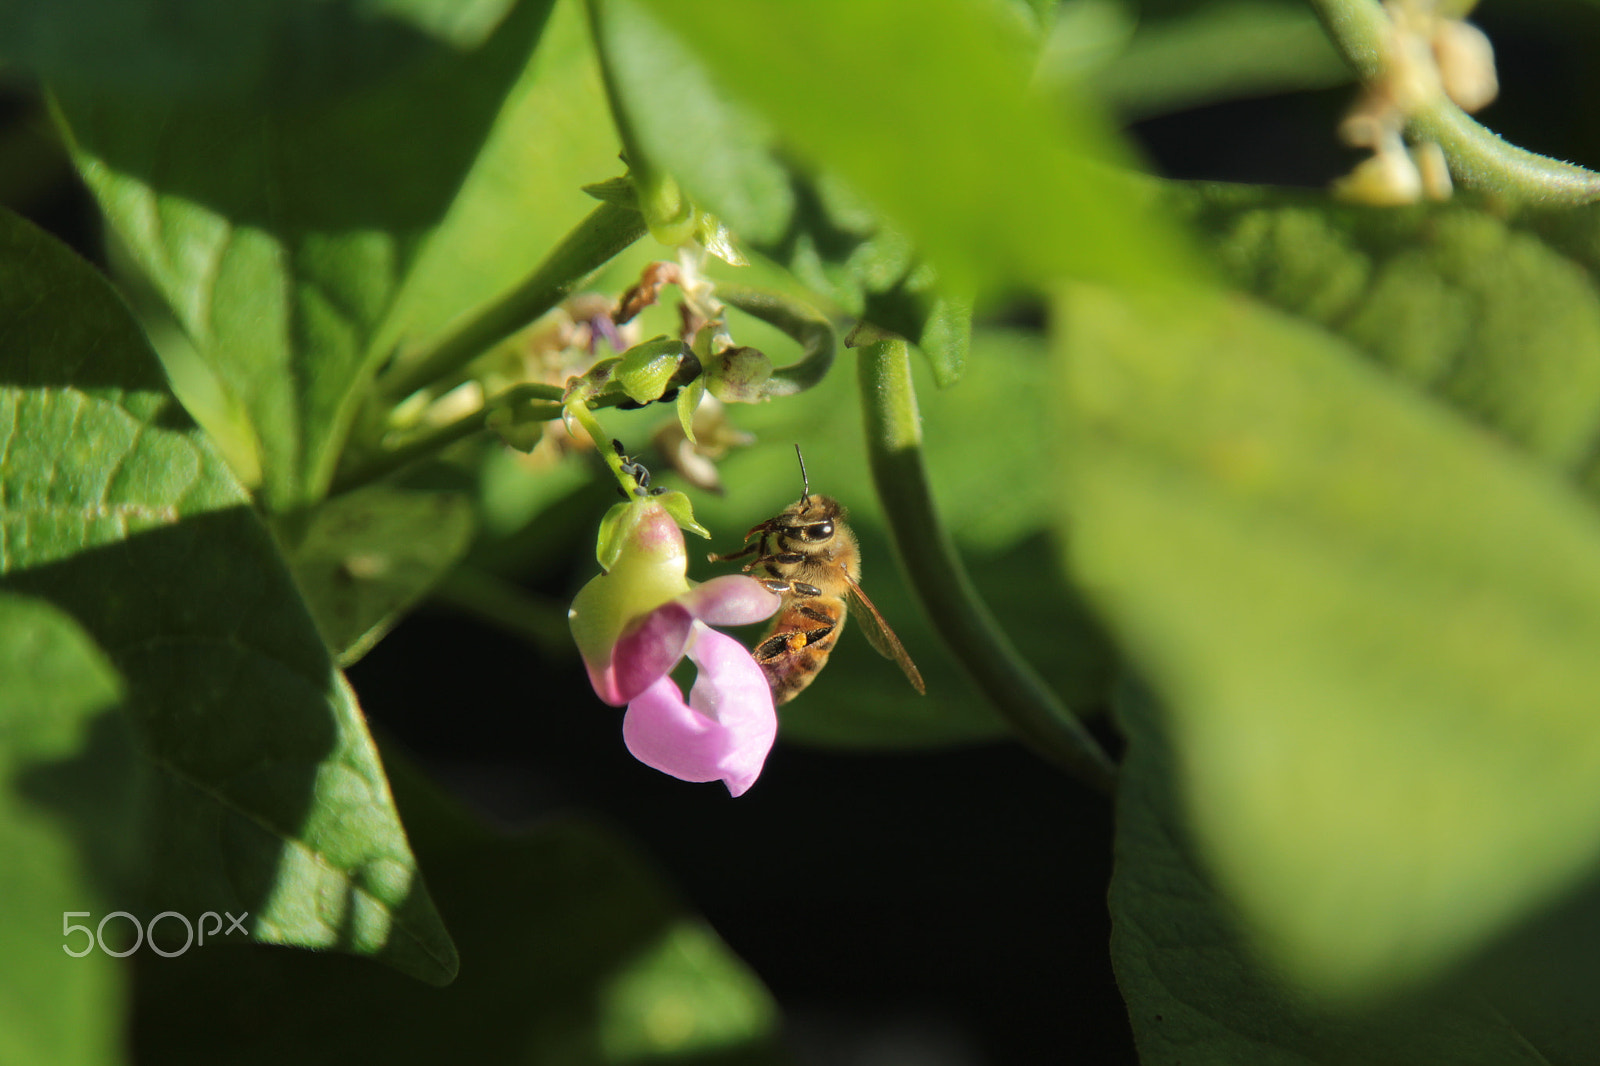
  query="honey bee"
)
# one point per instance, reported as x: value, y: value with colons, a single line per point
x: 810, y: 557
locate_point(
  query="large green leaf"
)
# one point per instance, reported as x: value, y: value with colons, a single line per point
x: 68, y: 810
x: 267, y: 794
x: 280, y: 221
x: 1484, y: 313
x: 1373, y: 623
x: 1198, y: 995
x: 925, y: 110
x: 573, y: 952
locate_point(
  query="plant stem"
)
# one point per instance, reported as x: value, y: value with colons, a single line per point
x: 607, y: 231
x: 894, y: 445
x: 427, y: 446
x: 1479, y: 158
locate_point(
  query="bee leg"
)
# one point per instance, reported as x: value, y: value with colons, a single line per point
x: 774, y: 584
x: 800, y: 588
x: 776, y: 646
x: 748, y: 549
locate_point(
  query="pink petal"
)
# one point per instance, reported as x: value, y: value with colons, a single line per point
x: 666, y: 734
x: 723, y: 733
x: 732, y: 690
x: 645, y: 653
x: 731, y: 600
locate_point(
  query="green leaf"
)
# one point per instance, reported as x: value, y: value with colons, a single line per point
x: 1196, y: 991
x: 1481, y: 312
x: 578, y: 954
x: 925, y: 110
x: 68, y: 808
x: 677, y: 118
x: 1374, y: 626
x: 266, y: 794
x: 367, y: 557
x: 281, y: 264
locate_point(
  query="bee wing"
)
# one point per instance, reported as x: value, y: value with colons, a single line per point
x: 881, y: 636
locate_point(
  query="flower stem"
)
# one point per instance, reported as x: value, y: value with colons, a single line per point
x: 1479, y: 158
x: 431, y: 444
x: 607, y: 231
x: 894, y: 446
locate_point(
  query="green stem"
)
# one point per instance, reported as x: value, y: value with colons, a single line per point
x: 1479, y: 158
x: 432, y: 444
x: 608, y: 230
x: 809, y: 329
x: 894, y: 445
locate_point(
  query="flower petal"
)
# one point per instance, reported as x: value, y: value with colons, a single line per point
x: 666, y: 734
x: 645, y: 653
x: 725, y: 730
x: 731, y: 600
x: 732, y: 690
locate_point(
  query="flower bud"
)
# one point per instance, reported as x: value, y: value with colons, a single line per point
x: 1466, y: 64
x: 738, y: 374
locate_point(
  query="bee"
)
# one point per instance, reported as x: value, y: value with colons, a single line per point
x: 810, y: 557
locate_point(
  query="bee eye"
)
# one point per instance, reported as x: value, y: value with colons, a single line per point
x: 819, y: 531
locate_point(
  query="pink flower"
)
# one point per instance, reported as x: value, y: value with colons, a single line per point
x: 635, y: 623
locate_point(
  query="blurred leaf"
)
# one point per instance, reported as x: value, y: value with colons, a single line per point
x: 925, y: 109
x: 58, y: 718
x: 1214, y: 53
x: 573, y: 953
x: 674, y: 114
x: 366, y: 557
x: 281, y: 224
x: 266, y: 793
x: 1197, y: 994
x: 1482, y: 313
x: 1373, y: 624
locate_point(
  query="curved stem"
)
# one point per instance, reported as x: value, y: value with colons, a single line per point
x: 1479, y: 158
x: 607, y: 231
x: 809, y: 329
x: 894, y: 445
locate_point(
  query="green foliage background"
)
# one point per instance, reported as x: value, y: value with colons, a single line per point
x: 1302, y: 492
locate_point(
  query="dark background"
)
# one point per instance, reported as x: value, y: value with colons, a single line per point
x: 943, y: 908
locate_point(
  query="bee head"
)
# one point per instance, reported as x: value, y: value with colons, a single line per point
x: 811, y: 519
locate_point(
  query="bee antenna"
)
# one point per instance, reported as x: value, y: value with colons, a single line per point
x: 805, y: 492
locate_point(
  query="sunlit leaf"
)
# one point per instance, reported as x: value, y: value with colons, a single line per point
x: 281, y: 221
x: 266, y: 793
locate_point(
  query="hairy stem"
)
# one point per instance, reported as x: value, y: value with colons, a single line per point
x: 1479, y: 159
x: 608, y: 230
x: 894, y: 445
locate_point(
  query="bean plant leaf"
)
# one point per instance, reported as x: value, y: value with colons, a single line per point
x: 1197, y: 992
x: 1488, y: 314
x: 366, y: 557
x: 280, y: 222
x: 266, y: 793
x: 578, y: 952
x: 732, y: 163
x: 1372, y: 622
x: 925, y: 110
x: 68, y: 806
